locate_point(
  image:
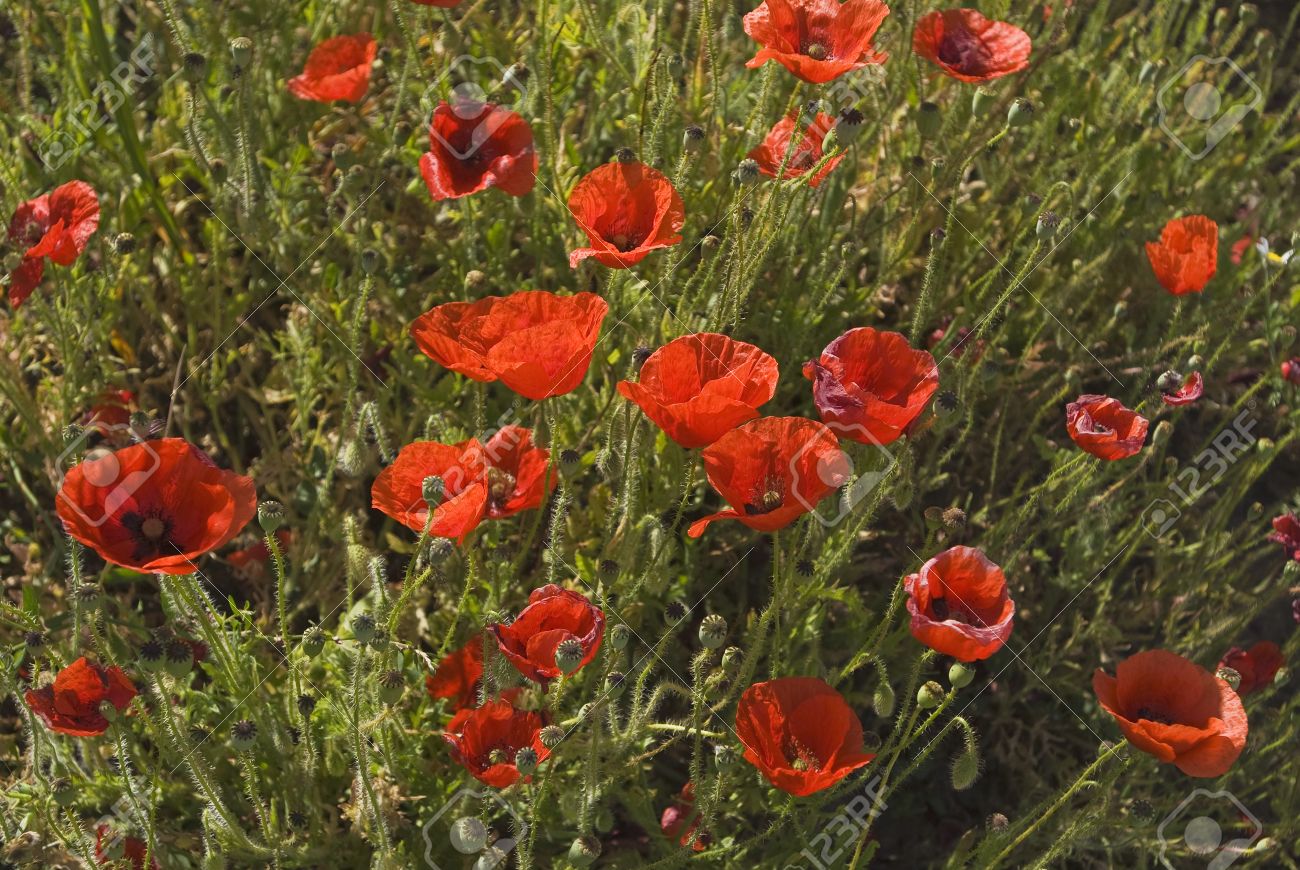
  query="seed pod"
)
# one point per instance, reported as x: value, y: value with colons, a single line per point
x: 713, y: 631
x: 363, y: 627
x: 929, y: 695
x: 180, y: 658
x: 1020, y: 113
x: 313, y: 641
x: 928, y: 120
x: 270, y: 514
x: 152, y: 657
x: 243, y: 735
x: 619, y: 636
x: 241, y: 53
x: 552, y: 736
x: 584, y: 851
x: 568, y: 655
x: 391, y: 686
x: 960, y: 676
x: 526, y: 760
x: 468, y: 836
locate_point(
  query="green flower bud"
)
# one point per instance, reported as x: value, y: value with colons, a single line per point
x: 883, y: 700
x: 960, y: 676
x: 965, y: 769
x: 930, y: 695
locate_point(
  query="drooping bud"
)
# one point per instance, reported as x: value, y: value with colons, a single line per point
x: 965, y: 768
x: 713, y: 631
x: 882, y: 701
x: 1162, y: 432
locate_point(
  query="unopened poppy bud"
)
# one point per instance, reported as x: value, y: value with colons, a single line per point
x: 306, y: 704
x: 608, y: 569
x: 241, y: 53
x: 468, y: 836
x: 124, y: 244
x: 960, y: 675
x: 1048, y: 223
x: 153, y: 657
x: 363, y: 627
x: 882, y: 701
x: 1195, y: 362
x: 108, y: 711
x: 933, y: 516
x: 62, y: 791
x: 713, y: 631
x: 693, y: 139
x: 243, y: 735
x: 965, y: 769
x: 180, y: 658
x: 1162, y: 432
x: 746, y: 171
x: 313, y: 641
x: 568, y: 655
x: 731, y: 659
x: 625, y: 155
x: 391, y: 686
x: 997, y: 823
x: 1169, y: 381
x: 270, y: 515
x: 614, y: 683
x: 929, y: 695
x: 928, y: 120
x: 619, y: 635
x: 551, y: 736
x: 584, y: 851
x: 1231, y: 676
x: 980, y: 103
x: 724, y: 756
x: 1020, y: 113
x: 433, y: 489
x: 1291, y: 573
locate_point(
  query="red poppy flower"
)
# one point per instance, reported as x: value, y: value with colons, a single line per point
x: 1291, y: 370
x: 111, y: 846
x: 474, y: 146
x: 772, y: 471
x: 250, y: 562
x: 959, y: 604
x: 536, y: 343
x: 488, y: 738
x: 337, y: 69
x: 57, y: 225
x: 497, y: 479
x: 870, y: 385
x: 553, y: 615
x: 817, y: 40
x: 679, y: 822
x: 458, y: 675
x: 969, y: 47
x: 627, y: 210
x: 70, y: 705
x: 155, y: 506
x: 1239, y: 249
x: 1103, y: 427
x: 1175, y: 710
x: 800, y: 734
x: 1286, y: 531
x: 1191, y: 389
x: 807, y: 152
x: 961, y: 343
x: 698, y: 387
x: 111, y: 411
x: 1187, y: 255
x: 1257, y: 665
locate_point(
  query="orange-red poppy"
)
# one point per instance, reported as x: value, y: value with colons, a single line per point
x: 474, y: 146
x: 627, y: 210
x: 1191, y: 389
x: 959, y: 604
x: 807, y: 151
x: 57, y: 225
x: 698, y: 387
x: 458, y: 675
x: 535, y: 342
x: 1291, y: 370
x: 486, y: 739
x: 111, y: 412
x: 869, y: 385
x: 969, y: 47
x: 772, y: 471
x: 800, y: 734
x: 1286, y: 531
x: 679, y: 820
x: 1175, y: 710
x: 111, y: 846
x: 1257, y: 665
x: 155, y: 506
x: 337, y: 69
x: 553, y: 615
x: 1187, y: 255
x: 1103, y: 427
x: 71, y: 704
x: 816, y: 40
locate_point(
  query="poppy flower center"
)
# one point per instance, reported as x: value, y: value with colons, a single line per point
x: 626, y: 241
x: 800, y: 756
x: 500, y: 485
x: 963, y: 50
x: 1154, y: 716
x: 151, y: 532
x: 153, y: 528
x: 816, y: 51
x: 767, y: 498
x: 947, y: 613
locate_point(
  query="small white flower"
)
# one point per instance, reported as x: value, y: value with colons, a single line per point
x: 1271, y: 257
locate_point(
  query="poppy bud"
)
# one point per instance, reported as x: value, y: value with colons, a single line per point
x: 180, y: 659
x: 608, y: 569
x: 241, y: 53
x: 306, y: 704
x: 883, y: 700
x: 243, y: 735
x: 724, y: 756
x: 584, y: 851
x: 1020, y: 113
x: 62, y: 791
x: 997, y: 823
x: 1291, y: 573
x: 713, y: 631
x: 746, y: 172
x: 965, y: 769
x: 1230, y: 676
x: 468, y: 836
x: 625, y: 155
x: 614, y: 683
x: 1162, y: 432
x: 552, y: 736
x: 731, y: 659
x: 1169, y: 381
x: 929, y: 695
x: 960, y: 676
x: 270, y: 514
x: 692, y: 139
x: 980, y: 103
x: 1048, y: 223
x: 401, y: 133
x: 928, y: 120
x: 152, y: 657
x: 391, y: 685
x: 313, y: 641
x: 363, y: 628
x: 619, y: 635
x: 124, y: 244
x: 568, y: 655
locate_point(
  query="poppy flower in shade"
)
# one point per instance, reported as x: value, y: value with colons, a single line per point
x: 337, y: 69
x: 111, y: 412
x: 458, y: 675
x: 807, y: 152
x: 535, y: 342
x: 969, y: 47
x: 627, y: 210
x: 959, y: 604
x: 869, y: 385
x: 111, y: 846
x: 816, y: 40
x: 71, y: 704
x: 1286, y: 531
x: 497, y: 479
x: 1187, y: 255
x: 553, y: 615
x: 474, y: 146
x: 1239, y: 249
x: 1103, y: 427
x: 699, y: 387
x: 56, y: 225
x: 155, y: 506
x: 1257, y: 665
x: 488, y: 737
x: 679, y: 822
x: 800, y: 733
x: 1291, y: 371
x: 250, y: 562
x: 1175, y: 710
x: 1191, y: 389
x: 772, y: 471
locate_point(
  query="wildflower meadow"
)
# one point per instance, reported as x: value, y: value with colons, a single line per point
x: 791, y: 434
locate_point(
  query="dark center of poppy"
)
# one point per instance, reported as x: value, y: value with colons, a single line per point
x: 800, y: 756
x: 1154, y: 716
x: 964, y: 51
x: 767, y: 498
x: 816, y: 51
x: 945, y: 612
x: 151, y: 533
x: 153, y: 528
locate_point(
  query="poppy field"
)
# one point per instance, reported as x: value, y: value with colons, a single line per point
x: 794, y: 434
